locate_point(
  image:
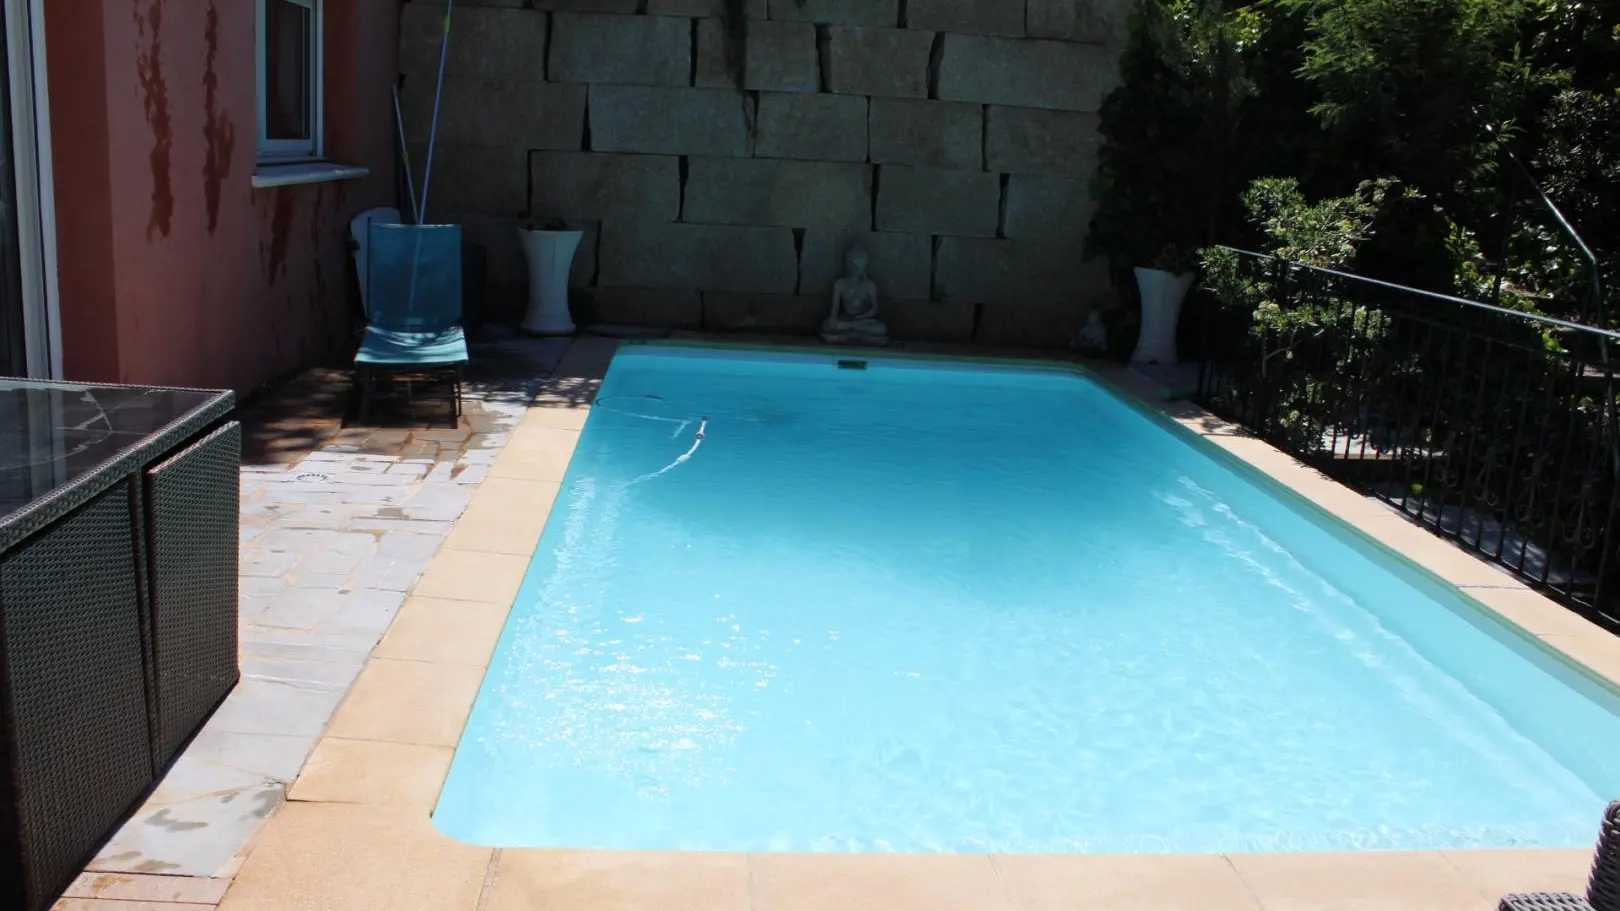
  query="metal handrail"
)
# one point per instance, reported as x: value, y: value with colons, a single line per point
x: 1594, y: 271
x: 1434, y: 295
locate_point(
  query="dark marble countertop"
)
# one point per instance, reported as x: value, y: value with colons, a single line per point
x: 57, y: 437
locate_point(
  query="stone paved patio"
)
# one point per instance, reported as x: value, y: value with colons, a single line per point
x: 332, y: 539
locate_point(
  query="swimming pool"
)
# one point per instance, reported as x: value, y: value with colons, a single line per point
x: 938, y: 606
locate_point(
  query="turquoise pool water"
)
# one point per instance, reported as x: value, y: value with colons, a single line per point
x: 941, y: 607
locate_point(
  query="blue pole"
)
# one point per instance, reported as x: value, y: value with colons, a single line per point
x: 433, y: 129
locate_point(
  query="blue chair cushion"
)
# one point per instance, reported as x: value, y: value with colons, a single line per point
x: 412, y: 349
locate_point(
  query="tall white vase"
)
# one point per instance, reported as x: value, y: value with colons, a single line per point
x: 550, y: 255
x: 1162, y: 294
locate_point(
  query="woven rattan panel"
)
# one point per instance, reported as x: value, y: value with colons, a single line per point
x: 1604, y: 887
x: 191, y: 511
x: 75, y: 688
x: 1544, y: 901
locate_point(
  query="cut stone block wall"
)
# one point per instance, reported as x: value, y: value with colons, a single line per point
x: 954, y: 139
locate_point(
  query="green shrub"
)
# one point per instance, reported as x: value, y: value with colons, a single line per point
x: 1416, y: 85
x: 1163, y: 173
x: 1305, y: 335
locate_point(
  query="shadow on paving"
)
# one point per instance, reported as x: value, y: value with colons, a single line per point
x: 318, y: 408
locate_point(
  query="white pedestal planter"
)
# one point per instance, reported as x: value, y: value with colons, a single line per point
x: 1162, y: 294
x: 550, y: 255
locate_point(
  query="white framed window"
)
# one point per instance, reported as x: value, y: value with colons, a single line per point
x: 289, y: 63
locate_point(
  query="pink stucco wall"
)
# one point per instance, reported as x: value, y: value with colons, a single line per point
x: 174, y: 269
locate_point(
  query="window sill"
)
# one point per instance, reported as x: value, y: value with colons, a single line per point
x: 286, y: 175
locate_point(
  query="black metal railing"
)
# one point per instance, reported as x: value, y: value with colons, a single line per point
x: 1525, y: 201
x: 1492, y: 427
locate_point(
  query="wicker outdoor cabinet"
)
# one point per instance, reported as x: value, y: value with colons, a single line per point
x: 1602, y: 887
x: 118, y: 608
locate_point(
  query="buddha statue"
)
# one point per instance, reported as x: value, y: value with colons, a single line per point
x: 1093, y: 337
x: 854, y: 318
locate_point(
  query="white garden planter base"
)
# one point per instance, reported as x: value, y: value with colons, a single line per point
x: 1162, y: 294
x: 550, y: 255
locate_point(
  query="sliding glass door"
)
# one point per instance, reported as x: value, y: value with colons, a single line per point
x: 13, y: 332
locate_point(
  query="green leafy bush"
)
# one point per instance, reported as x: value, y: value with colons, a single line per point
x: 1332, y: 93
x: 1306, y: 335
x: 1416, y: 85
x: 1163, y: 174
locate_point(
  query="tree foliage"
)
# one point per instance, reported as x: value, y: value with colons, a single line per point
x: 1429, y: 94
x: 1415, y: 85
x: 1163, y: 176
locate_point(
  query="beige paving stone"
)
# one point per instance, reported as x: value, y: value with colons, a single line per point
x: 408, y: 702
x: 544, y: 465
x: 1203, y: 423
x: 1341, y: 501
x: 619, y: 881
x: 490, y: 526
x: 559, y: 417
x: 137, y: 887
x: 1260, y: 454
x: 373, y: 772
x: 1367, y: 881
x: 122, y: 905
x: 874, y: 882
x: 529, y: 437
x: 1347, y: 504
x: 1433, y: 552
x: 1598, y: 650
x: 1497, y: 873
x: 1534, y: 611
x: 469, y: 575
x: 516, y: 494
x: 536, y: 454
x: 1125, y: 882
x: 349, y: 857
x: 454, y: 632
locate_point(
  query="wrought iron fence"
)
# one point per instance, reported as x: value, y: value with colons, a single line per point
x: 1525, y: 202
x: 1491, y: 427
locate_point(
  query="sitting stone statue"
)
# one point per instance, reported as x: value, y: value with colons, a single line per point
x: 854, y: 318
x: 1093, y: 337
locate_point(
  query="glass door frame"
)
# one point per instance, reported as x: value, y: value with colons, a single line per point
x: 24, y: 24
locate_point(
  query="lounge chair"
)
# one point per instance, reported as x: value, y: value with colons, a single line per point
x: 1602, y: 888
x: 413, y: 304
x: 360, y: 239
